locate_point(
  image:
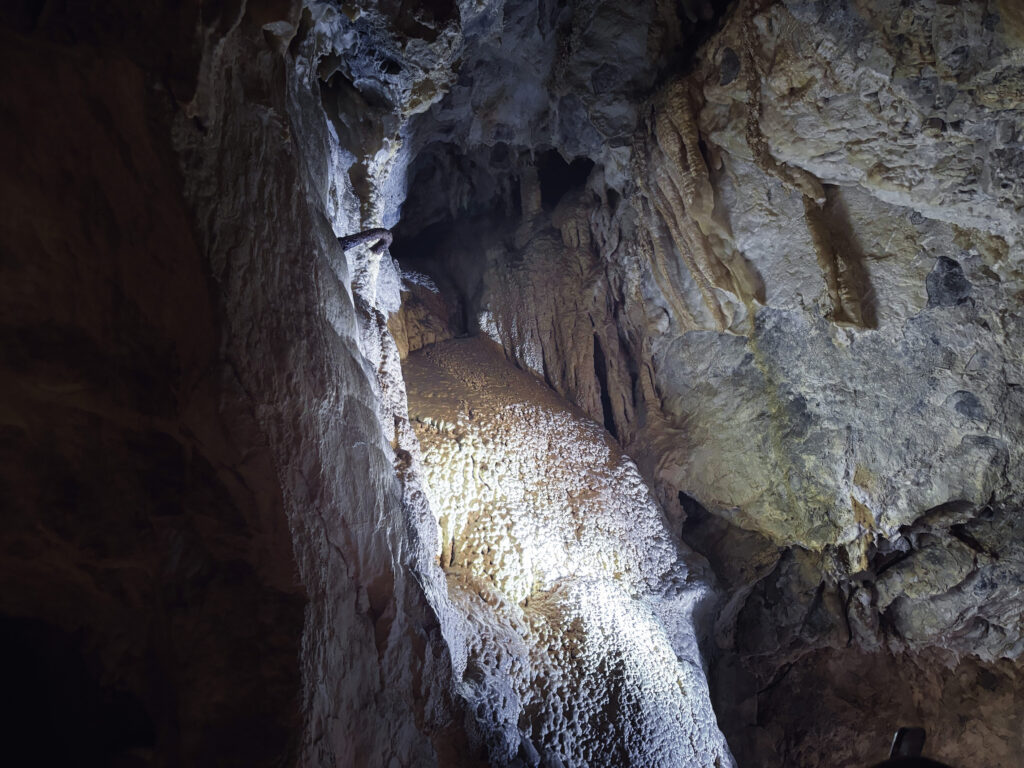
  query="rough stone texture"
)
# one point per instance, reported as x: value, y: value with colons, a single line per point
x: 801, y: 315
x: 782, y: 269
x: 206, y: 554
x: 968, y: 710
x: 577, y: 599
x: 424, y: 316
x: 191, y: 342
x: 311, y: 354
x: 884, y: 400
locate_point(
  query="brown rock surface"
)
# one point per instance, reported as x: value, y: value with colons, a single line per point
x: 191, y: 575
x: 150, y: 604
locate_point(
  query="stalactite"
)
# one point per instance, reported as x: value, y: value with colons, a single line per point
x: 656, y: 255
x: 843, y: 289
x: 676, y: 222
x: 678, y: 183
x: 679, y: 139
x: 792, y: 177
x: 823, y: 250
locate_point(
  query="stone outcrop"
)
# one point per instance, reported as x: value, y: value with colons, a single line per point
x: 801, y: 315
x: 206, y: 555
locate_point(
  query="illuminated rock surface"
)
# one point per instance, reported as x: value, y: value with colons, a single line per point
x: 577, y: 600
x: 801, y: 315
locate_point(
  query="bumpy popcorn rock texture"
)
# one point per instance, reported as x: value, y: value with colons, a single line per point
x: 578, y: 601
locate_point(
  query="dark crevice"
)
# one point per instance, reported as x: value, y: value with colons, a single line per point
x: 961, y: 533
x: 705, y: 153
x: 695, y: 511
x: 466, y: 318
x: 699, y: 20
x: 557, y: 177
x: 613, y: 200
x: 63, y: 713
x: 545, y: 374
x: 847, y: 598
x: 421, y: 19
x: 601, y: 373
x: 882, y: 563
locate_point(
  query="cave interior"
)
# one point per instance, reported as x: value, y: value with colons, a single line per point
x: 548, y: 383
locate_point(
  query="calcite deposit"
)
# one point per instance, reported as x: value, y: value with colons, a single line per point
x: 512, y: 382
x: 577, y: 602
x: 800, y: 313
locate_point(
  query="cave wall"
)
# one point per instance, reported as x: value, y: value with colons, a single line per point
x: 800, y: 312
x: 576, y: 601
x: 206, y: 556
x: 373, y: 667
x: 773, y: 247
x: 151, y: 604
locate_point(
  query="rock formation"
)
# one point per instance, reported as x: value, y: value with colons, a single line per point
x: 512, y: 382
x: 577, y: 603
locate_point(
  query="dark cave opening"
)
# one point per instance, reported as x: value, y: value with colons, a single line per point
x: 449, y: 187
x: 601, y: 373
x: 422, y: 19
x: 558, y: 177
x: 467, y: 201
x: 695, y: 511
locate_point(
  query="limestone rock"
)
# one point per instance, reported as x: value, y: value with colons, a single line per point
x: 577, y: 600
x: 772, y: 247
x: 801, y: 315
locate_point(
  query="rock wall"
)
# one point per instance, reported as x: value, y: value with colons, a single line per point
x: 151, y: 609
x: 304, y: 339
x: 800, y: 312
x: 891, y: 308
x: 577, y: 643
x: 207, y: 558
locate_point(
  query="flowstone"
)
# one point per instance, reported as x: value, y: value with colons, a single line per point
x: 577, y: 602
